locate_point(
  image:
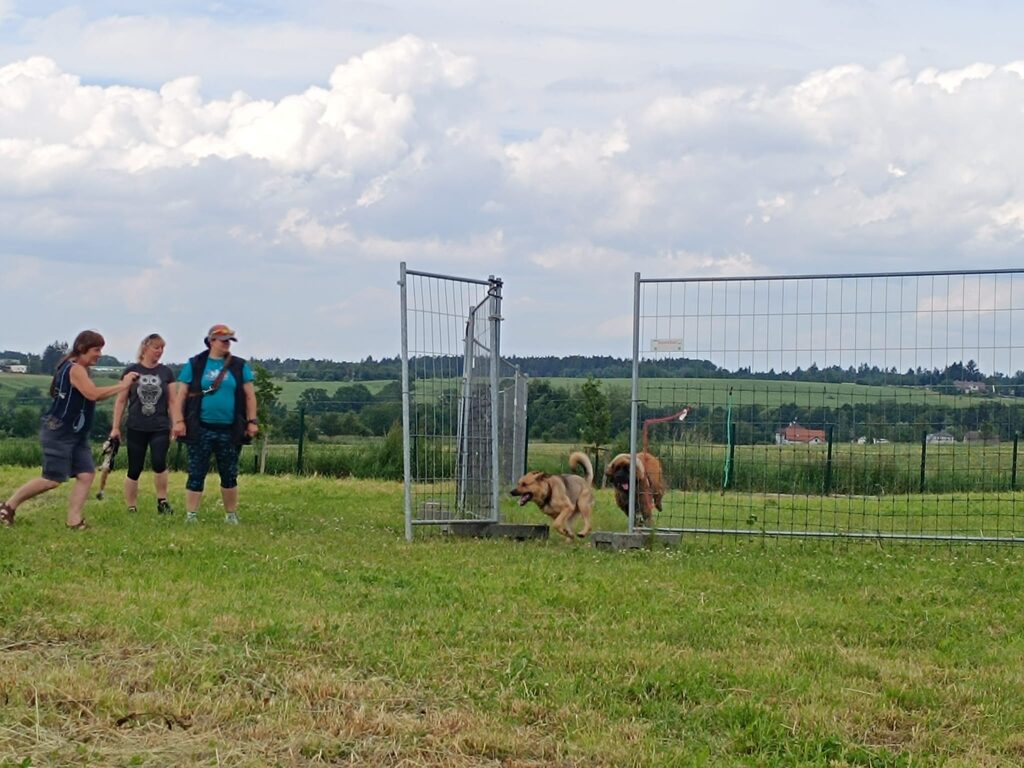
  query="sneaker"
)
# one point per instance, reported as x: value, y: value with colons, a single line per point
x: 163, y: 507
x: 133, y: 510
x: 191, y: 518
x: 231, y: 518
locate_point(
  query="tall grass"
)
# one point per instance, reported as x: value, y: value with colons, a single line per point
x: 855, y: 469
x: 313, y: 635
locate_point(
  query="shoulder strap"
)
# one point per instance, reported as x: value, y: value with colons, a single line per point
x: 220, y: 377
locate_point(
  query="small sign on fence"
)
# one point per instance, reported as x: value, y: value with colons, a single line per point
x: 666, y: 345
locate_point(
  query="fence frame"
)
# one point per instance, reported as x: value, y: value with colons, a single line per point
x: 468, y: 420
x: 635, y: 406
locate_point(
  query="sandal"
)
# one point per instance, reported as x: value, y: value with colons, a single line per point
x: 6, y: 514
x: 81, y: 526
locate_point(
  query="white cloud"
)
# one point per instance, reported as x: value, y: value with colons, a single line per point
x: 405, y: 152
x: 366, y: 120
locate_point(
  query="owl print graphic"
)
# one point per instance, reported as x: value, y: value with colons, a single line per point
x: 149, y: 391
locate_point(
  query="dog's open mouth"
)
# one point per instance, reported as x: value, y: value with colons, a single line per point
x: 624, y: 485
x: 525, y: 498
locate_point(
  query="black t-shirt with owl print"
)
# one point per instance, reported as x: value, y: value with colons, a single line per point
x: 148, y: 398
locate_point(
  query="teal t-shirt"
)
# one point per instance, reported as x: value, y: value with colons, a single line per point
x: 217, y: 407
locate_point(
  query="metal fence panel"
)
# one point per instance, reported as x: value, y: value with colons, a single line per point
x: 459, y: 433
x: 862, y: 405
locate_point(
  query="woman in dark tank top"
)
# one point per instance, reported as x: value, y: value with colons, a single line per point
x: 64, y: 431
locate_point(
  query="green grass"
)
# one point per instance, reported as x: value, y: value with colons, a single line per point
x: 313, y: 634
x: 290, y: 390
x: 707, y: 392
x: 771, y: 394
x: 12, y: 383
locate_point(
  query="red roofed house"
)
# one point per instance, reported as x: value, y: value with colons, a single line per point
x: 794, y: 433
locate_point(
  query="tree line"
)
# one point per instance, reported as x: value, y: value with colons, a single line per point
x: 584, y: 366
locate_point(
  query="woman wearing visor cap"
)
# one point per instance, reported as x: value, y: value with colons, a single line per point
x: 215, y: 414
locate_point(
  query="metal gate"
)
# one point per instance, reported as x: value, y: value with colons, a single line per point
x: 884, y: 406
x: 463, y: 422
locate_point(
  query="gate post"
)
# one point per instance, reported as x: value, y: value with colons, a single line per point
x: 494, y: 292
x: 634, y: 408
x: 406, y: 439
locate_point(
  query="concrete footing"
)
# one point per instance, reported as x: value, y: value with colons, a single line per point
x: 617, y: 540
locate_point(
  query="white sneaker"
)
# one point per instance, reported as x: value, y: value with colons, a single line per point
x: 231, y: 518
x: 191, y: 517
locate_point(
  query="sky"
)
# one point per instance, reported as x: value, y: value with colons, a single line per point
x: 270, y: 164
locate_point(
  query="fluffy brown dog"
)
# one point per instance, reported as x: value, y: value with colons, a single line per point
x: 563, y: 498
x: 650, y: 483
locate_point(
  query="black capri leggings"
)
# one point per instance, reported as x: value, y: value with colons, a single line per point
x: 159, y: 444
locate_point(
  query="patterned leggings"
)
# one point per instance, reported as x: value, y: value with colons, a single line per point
x: 218, y: 443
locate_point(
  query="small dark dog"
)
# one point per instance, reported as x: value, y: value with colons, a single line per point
x: 650, y: 484
x: 110, y: 448
x: 563, y: 498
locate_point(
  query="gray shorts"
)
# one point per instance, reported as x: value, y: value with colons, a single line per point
x: 65, y: 456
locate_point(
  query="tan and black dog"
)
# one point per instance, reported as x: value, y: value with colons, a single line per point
x: 650, y: 484
x: 563, y: 498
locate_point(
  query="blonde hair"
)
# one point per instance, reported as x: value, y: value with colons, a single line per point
x: 146, y: 342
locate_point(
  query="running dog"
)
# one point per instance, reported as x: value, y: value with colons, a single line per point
x: 563, y: 498
x: 650, y: 483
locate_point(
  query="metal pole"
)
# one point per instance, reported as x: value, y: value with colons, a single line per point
x: 302, y: 438
x: 828, y: 462
x: 924, y: 450
x: 634, y: 408
x: 495, y: 318
x: 732, y: 451
x: 406, y: 438
x: 1013, y: 472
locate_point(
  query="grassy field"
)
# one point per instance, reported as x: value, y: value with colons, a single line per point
x: 290, y: 390
x: 707, y: 392
x: 312, y: 634
x: 806, y: 394
x: 12, y: 383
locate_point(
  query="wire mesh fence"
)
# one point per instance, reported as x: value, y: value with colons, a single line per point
x: 875, y: 406
x: 463, y: 420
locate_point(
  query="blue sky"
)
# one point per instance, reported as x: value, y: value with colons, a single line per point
x: 269, y: 164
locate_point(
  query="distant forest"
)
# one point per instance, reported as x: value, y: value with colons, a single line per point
x: 606, y: 367
x: 582, y: 366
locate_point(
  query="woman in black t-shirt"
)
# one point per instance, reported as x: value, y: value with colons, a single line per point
x: 148, y: 426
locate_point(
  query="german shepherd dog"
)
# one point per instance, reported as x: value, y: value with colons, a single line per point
x: 563, y: 498
x: 650, y: 484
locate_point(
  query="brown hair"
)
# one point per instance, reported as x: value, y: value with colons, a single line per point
x: 146, y: 342
x: 84, y: 341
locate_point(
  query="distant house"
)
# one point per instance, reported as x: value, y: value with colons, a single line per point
x: 977, y: 438
x: 16, y: 368
x: 795, y: 434
x: 971, y: 387
x: 940, y: 437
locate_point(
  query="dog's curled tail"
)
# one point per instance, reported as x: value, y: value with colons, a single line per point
x: 578, y: 457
